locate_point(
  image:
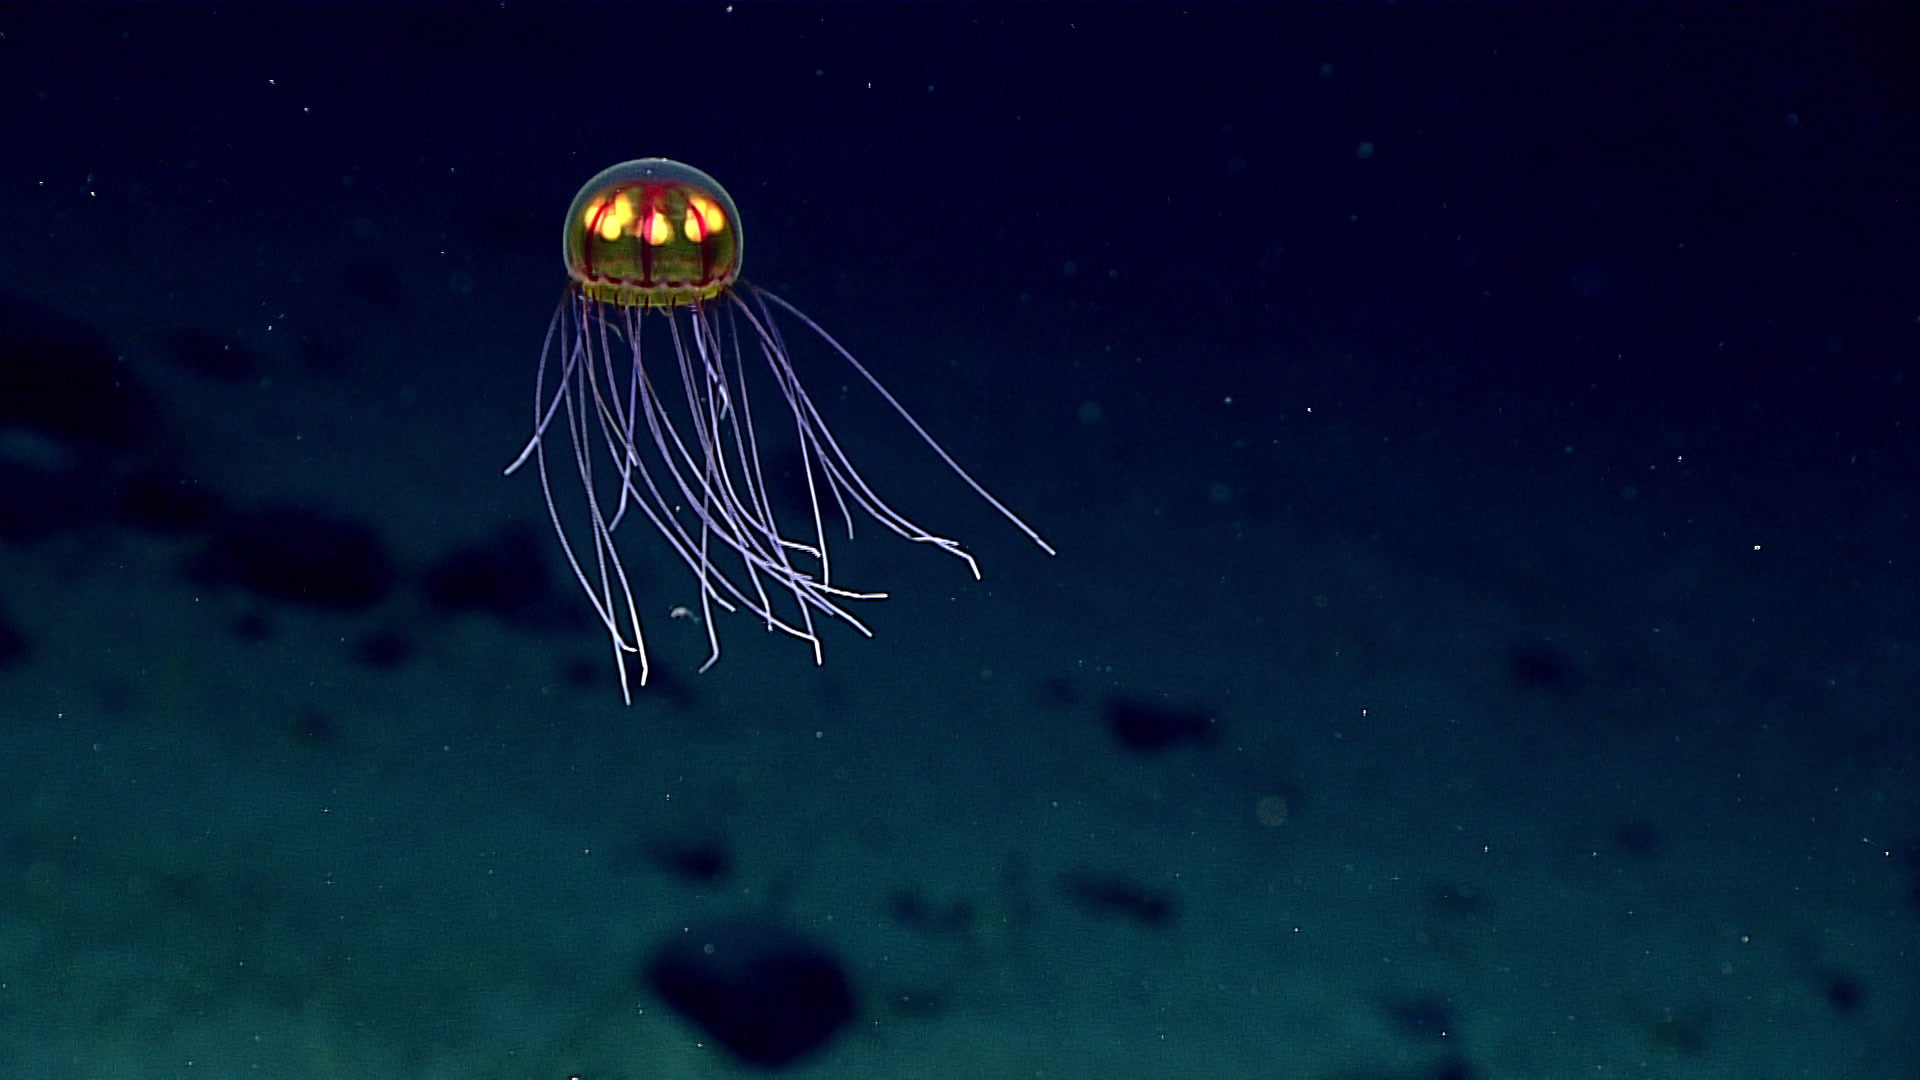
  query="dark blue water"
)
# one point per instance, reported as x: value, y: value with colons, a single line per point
x: 1479, y: 443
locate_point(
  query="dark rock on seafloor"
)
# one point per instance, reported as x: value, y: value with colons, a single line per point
x: 504, y: 576
x: 695, y: 861
x: 1150, y: 728
x: 166, y: 503
x: 64, y: 381
x: 45, y: 486
x: 13, y: 643
x: 287, y: 553
x: 765, y: 993
x: 71, y: 410
x: 1112, y: 895
x: 384, y: 650
x: 1542, y: 667
x: 1422, y: 1017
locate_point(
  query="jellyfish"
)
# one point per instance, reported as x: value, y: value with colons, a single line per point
x: 645, y: 368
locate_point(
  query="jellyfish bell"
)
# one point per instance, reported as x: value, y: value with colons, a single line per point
x: 652, y: 233
x: 645, y: 369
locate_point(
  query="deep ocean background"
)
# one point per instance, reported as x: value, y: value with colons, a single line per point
x: 1479, y: 439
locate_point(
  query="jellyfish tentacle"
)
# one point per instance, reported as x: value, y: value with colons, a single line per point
x: 606, y: 554
x: 841, y: 472
x: 709, y: 406
x: 717, y: 499
x: 756, y: 509
x: 683, y: 463
x: 571, y: 351
x: 541, y: 417
x: 880, y: 388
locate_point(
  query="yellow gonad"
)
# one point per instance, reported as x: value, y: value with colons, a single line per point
x: 652, y: 249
